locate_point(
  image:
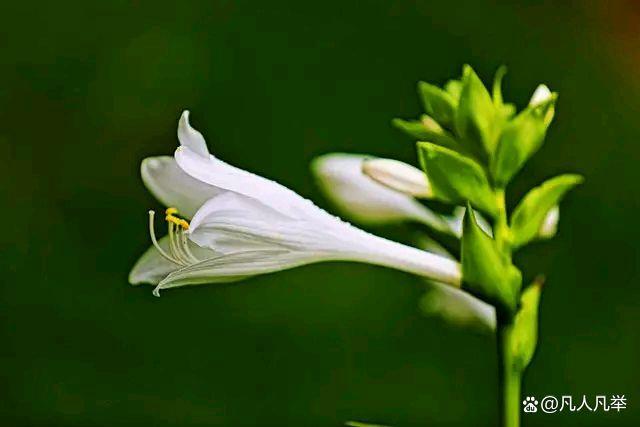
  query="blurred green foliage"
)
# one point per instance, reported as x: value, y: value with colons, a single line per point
x: 90, y: 88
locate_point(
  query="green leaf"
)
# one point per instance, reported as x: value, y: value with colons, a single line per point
x: 426, y: 129
x: 454, y: 88
x: 476, y: 114
x: 486, y: 272
x: 530, y: 213
x: 455, y: 178
x: 520, y: 139
x: 438, y: 103
x: 525, y: 326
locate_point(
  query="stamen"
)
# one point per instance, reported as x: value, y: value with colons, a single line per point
x: 155, y: 241
x: 185, y: 246
x: 173, y: 244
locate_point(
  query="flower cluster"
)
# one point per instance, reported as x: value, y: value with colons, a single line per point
x: 472, y: 144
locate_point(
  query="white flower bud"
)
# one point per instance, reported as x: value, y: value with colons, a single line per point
x: 398, y: 176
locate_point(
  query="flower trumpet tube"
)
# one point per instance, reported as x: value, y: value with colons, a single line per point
x: 245, y: 225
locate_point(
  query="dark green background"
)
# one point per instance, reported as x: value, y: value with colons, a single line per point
x: 88, y: 89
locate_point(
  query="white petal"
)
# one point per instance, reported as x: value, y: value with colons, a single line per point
x: 169, y: 184
x: 232, y: 223
x: 398, y: 176
x: 457, y: 307
x: 191, y: 138
x: 152, y: 267
x: 223, y: 176
x: 234, y: 267
x: 540, y: 95
x: 360, y: 198
x: 549, y: 226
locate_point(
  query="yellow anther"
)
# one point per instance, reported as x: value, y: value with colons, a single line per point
x: 171, y: 211
x: 177, y: 221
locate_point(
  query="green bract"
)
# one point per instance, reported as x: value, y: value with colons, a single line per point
x: 533, y: 208
x: 486, y: 272
x: 476, y: 115
x: 426, y: 129
x: 440, y: 104
x: 525, y: 327
x: 520, y: 139
x: 455, y: 178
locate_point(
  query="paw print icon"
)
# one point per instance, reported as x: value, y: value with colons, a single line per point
x: 530, y: 405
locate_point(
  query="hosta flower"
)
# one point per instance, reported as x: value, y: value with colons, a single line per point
x: 244, y: 225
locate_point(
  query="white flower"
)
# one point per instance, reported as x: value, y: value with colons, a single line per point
x: 244, y: 225
x: 364, y: 200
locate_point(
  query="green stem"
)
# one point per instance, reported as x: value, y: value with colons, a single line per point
x: 501, y: 227
x: 509, y: 375
x: 509, y: 378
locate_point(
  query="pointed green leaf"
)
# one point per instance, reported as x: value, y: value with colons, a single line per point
x: 438, y: 103
x: 486, y: 273
x: 520, y: 139
x: 525, y: 326
x: 426, y: 129
x: 476, y: 114
x: 529, y: 215
x: 456, y: 178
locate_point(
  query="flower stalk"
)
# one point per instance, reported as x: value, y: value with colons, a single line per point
x: 509, y: 378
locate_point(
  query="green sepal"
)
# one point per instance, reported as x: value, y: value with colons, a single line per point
x: 425, y: 129
x: 476, y: 115
x: 455, y: 178
x: 530, y: 213
x: 525, y: 326
x: 521, y: 137
x: 486, y: 272
x: 438, y: 103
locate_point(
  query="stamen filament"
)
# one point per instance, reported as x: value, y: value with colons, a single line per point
x: 185, y: 245
x: 155, y: 241
x: 173, y: 244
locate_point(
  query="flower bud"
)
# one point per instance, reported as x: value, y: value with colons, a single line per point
x: 398, y: 176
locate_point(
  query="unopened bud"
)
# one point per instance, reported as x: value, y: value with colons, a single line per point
x: 540, y: 95
x: 398, y: 176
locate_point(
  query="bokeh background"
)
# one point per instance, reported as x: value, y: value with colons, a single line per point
x: 88, y: 89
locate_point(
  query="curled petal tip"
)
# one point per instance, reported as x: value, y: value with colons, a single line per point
x: 191, y: 138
